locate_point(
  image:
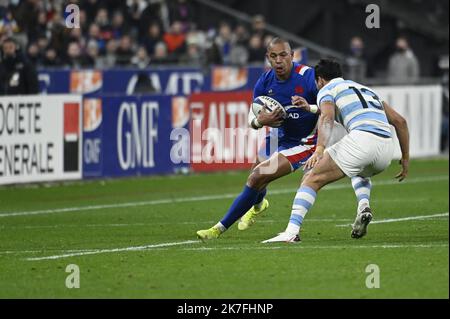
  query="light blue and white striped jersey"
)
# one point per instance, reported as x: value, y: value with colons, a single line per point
x: 357, y: 107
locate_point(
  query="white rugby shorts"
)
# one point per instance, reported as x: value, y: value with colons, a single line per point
x: 362, y: 153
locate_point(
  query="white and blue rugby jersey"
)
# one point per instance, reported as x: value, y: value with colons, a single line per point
x: 357, y: 107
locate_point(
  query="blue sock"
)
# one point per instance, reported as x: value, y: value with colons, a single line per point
x: 240, y: 206
x: 260, y: 198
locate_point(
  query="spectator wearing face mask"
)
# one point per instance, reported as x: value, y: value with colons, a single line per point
x: 51, y: 58
x: 403, y: 65
x: 76, y: 59
x: 356, y: 60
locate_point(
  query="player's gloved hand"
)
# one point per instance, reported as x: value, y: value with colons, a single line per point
x: 272, y: 119
x: 404, y: 172
x: 315, y: 158
x: 300, y: 102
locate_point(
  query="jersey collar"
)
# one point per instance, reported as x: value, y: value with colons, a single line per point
x: 290, y: 75
x: 335, y: 80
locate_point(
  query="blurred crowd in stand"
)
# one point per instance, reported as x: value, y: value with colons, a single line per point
x: 143, y: 33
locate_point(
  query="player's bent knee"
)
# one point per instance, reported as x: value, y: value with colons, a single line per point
x: 314, y: 180
x: 256, y: 180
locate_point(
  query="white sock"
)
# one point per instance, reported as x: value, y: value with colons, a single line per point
x: 221, y: 227
x: 362, y: 187
x: 304, y: 199
x: 363, y: 203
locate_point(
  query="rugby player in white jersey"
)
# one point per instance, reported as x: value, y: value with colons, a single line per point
x: 365, y: 151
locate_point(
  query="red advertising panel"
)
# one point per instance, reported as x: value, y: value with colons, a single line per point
x: 220, y: 137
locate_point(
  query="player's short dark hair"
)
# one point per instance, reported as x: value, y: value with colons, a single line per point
x: 328, y: 69
x: 277, y: 40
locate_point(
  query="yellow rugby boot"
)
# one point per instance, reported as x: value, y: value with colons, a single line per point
x: 249, y: 218
x: 211, y: 233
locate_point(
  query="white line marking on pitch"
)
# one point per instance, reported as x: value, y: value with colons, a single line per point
x: 164, y: 245
x: 205, y: 198
x: 6, y: 252
x: 266, y: 221
x: 394, y: 220
x: 114, y: 250
x: 300, y: 246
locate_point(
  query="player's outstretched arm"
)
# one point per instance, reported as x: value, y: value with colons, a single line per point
x: 325, y: 130
x: 401, y: 128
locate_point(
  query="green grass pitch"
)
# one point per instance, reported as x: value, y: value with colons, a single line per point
x: 135, y: 238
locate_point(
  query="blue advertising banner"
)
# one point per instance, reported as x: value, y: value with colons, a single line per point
x: 54, y: 81
x: 168, y: 81
x: 127, y: 136
x: 93, y: 125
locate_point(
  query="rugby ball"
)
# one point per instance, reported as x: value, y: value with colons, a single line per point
x: 270, y: 103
